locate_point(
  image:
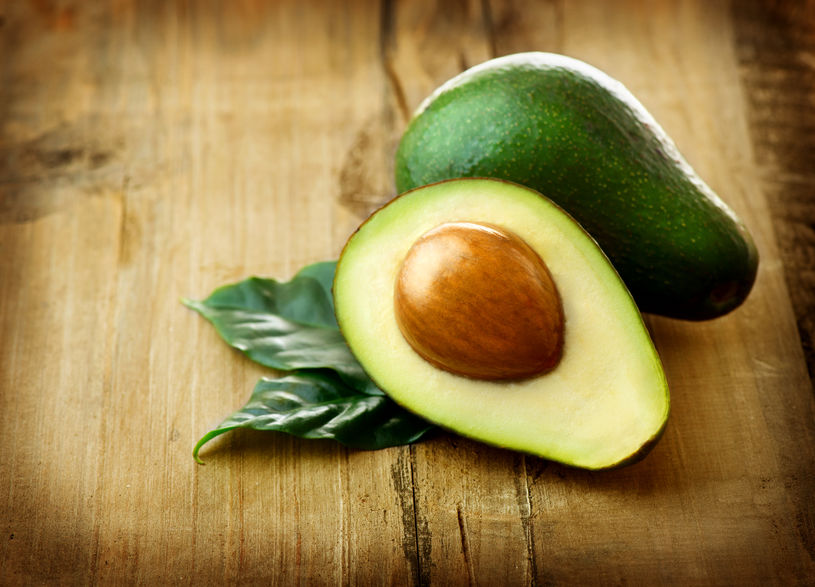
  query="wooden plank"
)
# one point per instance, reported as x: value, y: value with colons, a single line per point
x: 775, y: 47
x: 221, y: 134
x: 54, y: 278
x: 471, y: 512
x: 709, y: 505
x: 719, y: 486
x: 150, y: 151
x: 55, y: 306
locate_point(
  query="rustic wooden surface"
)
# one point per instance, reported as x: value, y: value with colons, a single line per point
x: 152, y: 150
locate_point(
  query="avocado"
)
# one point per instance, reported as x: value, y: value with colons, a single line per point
x: 576, y: 135
x: 483, y: 307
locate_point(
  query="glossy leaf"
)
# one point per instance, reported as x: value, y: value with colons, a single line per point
x: 290, y: 326
x: 321, y: 405
x: 285, y: 325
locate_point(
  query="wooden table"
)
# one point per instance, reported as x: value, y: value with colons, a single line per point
x: 151, y: 151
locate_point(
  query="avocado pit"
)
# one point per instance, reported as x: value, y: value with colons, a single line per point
x: 476, y: 300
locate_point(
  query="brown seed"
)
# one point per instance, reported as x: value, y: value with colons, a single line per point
x: 476, y: 300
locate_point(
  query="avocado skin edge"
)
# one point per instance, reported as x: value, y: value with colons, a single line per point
x: 571, y: 132
x: 635, y: 457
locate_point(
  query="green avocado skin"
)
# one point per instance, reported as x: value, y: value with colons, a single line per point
x: 569, y: 131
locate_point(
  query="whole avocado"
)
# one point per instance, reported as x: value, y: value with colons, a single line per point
x: 571, y: 132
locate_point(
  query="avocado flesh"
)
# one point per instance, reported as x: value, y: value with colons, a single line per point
x: 569, y: 131
x: 603, y: 405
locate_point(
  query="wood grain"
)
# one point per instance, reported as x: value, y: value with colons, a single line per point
x: 151, y: 151
x: 775, y: 47
x: 677, y: 80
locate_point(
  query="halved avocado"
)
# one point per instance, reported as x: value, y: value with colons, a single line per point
x: 446, y: 283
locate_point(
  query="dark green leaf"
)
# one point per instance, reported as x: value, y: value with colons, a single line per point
x: 285, y: 326
x: 324, y: 274
x: 306, y: 299
x: 290, y: 326
x: 321, y: 405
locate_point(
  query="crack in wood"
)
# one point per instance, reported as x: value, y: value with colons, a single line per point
x: 465, y: 544
x: 525, y: 510
x: 405, y: 488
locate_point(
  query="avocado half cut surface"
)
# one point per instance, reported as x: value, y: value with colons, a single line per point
x: 571, y: 132
x: 445, y: 284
